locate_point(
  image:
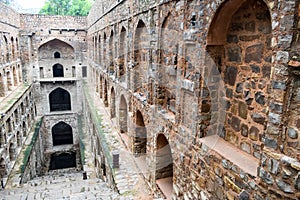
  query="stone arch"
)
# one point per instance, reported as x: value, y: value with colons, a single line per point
x: 19, y: 139
x: 123, y: 113
x: 164, y: 164
x: 105, y: 94
x: 168, y: 62
x: 12, y: 47
x: 45, y: 51
x: 140, y: 56
x: 99, y: 49
x: 122, y: 54
x: 56, y: 54
x: 140, y: 138
x: 62, y: 134
x: 111, y: 68
x: 2, y: 88
x: 59, y: 100
x: 15, y: 76
x: 101, y: 87
x: 2, y: 168
x: 6, y: 49
x: 58, y: 70
x: 12, y: 151
x: 9, y: 79
x: 24, y: 129
x: 112, y: 103
x: 104, y: 50
x: 239, y: 40
x: 20, y: 73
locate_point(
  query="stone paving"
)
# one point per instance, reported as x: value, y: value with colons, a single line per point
x: 67, y: 185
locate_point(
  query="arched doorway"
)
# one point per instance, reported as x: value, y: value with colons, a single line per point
x: 105, y: 94
x: 164, y: 165
x: 2, y: 90
x: 62, y: 134
x: 113, y: 103
x: 2, y: 168
x: 19, y: 139
x: 58, y: 70
x: 140, y: 138
x: 60, y: 100
x: 140, y: 57
x: 12, y: 151
x: 63, y: 160
x: 123, y: 115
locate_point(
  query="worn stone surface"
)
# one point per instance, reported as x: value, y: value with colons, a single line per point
x: 168, y: 73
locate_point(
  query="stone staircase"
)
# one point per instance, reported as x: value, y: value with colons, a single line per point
x: 61, y: 186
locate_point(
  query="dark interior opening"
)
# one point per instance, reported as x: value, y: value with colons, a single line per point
x: 62, y: 134
x: 59, y: 100
x: 56, y: 55
x: 62, y: 161
x: 58, y: 70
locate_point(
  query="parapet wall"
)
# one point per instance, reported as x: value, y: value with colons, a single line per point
x: 9, y: 18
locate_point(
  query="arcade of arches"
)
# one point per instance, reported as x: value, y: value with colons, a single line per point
x: 203, y: 94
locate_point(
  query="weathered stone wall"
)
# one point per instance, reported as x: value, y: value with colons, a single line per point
x: 214, y: 70
x: 40, y: 31
x: 51, y: 120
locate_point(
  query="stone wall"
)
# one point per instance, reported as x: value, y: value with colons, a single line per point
x: 203, y: 74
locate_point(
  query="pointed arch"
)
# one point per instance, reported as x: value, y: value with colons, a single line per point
x: 239, y: 45
x: 58, y: 70
x: 141, y: 47
x: 122, y: 54
x: 112, y: 103
x: 59, y: 100
x: 123, y: 113
x: 62, y: 134
x: 140, y: 138
x: 45, y: 51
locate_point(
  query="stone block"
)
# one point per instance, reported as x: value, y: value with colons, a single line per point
x: 234, y: 54
x: 230, y: 75
x: 258, y: 118
x: 254, y: 133
x: 285, y: 187
x: 274, y: 118
x: 254, y: 53
x: 292, y: 133
x: 244, y: 130
x: 266, y: 176
x: 260, y: 98
x: 243, y: 110
x: 235, y: 123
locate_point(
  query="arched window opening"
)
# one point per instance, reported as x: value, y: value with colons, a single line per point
x: 56, y: 55
x: 164, y: 165
x: 2, y: 168
x: 62, y: 134
x: 58, y: 70
x: 141, y: 47
x: 105, y: 94
x: 2, y: 90
x: 140, y: 139
x: 238, y: 43
x: 113, y: 103
x: 59, y: 100
x: 122, y: 57
x: 123, y: 115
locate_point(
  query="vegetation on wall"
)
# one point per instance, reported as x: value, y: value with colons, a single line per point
x: 67, y: 7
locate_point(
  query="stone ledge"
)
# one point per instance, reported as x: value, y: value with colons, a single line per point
x: 246, y: 162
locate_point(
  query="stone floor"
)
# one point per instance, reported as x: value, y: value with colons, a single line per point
x: 68, y: 185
